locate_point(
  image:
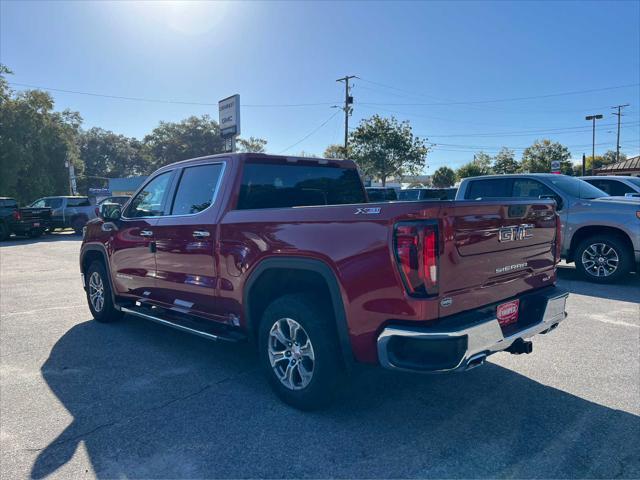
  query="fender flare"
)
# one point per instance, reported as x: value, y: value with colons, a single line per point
x: 313, y: 265
x: 97, y: 247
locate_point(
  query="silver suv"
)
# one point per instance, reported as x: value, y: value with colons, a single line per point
x: 602, y: 236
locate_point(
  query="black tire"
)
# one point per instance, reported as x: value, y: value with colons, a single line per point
x: 318, y: 326
x: 78, y: 224
x: 4, y: 232
x: 599, y: 271
x: 106, y: 311
x: 35, y: 233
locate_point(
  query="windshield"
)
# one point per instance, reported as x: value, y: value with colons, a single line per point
x: 634, y: 181
x: 577, y: 188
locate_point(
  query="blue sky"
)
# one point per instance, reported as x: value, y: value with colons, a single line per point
x: 448, y: 54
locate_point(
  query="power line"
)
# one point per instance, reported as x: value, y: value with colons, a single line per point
x: 177, y: 102
x: 311, y: 132
x: 560, y: 130
x: 512, y: 99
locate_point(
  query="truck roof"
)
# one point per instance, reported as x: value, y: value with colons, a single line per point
x: 267, y: 158
x: 516, y: 175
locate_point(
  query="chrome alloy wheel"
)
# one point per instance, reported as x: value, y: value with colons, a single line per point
x: 96, y: 291
x: 291, y: 354
x: 600, y: 260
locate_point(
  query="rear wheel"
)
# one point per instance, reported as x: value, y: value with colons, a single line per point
x: 299, y: 351
x: 77, y: 225
x: 99, y: 294
x: 603, y: 258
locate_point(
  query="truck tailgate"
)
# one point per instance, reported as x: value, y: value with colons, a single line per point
x: 493, y: 251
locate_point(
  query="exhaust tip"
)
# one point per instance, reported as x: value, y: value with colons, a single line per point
x: 520, y: 346
x: 475, y: 361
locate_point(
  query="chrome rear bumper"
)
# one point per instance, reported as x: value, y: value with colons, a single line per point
x: 463, y: 343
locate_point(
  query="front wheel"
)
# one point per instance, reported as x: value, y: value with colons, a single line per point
x: 4, y: 232
x: 99, y: 294
x: 299, y: 351
x: 603, y: 259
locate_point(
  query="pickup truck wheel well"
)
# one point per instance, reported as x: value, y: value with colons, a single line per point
x: 274, y: 278
x: 90, y: 257
x: 586, y: 232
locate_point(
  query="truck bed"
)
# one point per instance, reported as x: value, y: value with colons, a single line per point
x: 357, y: 242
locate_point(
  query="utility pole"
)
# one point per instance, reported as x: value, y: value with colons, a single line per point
x: 619, y: 115
x: 593, y: 118
x: 584, y: 164
x: 348, y: 101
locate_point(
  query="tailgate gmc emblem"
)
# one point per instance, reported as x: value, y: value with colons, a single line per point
x: 515, y: 233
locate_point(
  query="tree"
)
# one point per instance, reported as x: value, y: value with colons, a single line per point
x: 505, y: 162
x: 538, y: 157
x: 609, y: 158
x: 107, y: 154
x: 35, y: 143
x: 335, y: 151
x: 192, y: 137
x: 384, y: 148
x: 443, y: 177
x: 481, y: 165
x: 252, y: 144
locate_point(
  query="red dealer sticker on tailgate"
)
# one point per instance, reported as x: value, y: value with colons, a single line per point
x: 507, y: 313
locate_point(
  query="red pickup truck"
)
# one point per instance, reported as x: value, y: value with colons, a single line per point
x: 288, y: 253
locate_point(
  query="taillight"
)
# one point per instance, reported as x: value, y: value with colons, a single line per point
x: 16, y: 215
x: 416, y: 248
x: 558, y: 238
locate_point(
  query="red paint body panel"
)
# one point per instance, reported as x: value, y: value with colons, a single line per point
x: 358, y: 249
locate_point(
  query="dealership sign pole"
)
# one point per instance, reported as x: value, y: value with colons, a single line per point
x: 229, y: 119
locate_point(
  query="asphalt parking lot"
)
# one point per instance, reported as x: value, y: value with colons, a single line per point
x: 135, y: 399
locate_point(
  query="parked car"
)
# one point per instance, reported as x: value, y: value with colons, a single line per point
x: 289, y: 254
x: 29, y: 222
x: 68, y: 212
x: 427, y: 194
x: 601, y: 235
x: 117, y: 200
x: 616, y: 185
x: 381, y: 194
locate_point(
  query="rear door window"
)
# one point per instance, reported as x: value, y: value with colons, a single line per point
x: 279, y: 186
x: 489, y: 188
x: 612, y: 187
x: 78, y: 202
x: 529, y: 188
x: 197, y: 189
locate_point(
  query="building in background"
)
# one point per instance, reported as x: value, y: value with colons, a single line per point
x: 125, y: 186
x: 630, y: 166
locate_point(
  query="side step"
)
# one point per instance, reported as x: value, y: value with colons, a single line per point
x: 203, y: 328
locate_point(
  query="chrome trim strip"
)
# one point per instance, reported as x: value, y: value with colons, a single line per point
x: 162, y: 321
x: 482, y: 338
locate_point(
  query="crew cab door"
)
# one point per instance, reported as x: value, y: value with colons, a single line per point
x: 186, y: 239
x: 133, y: 263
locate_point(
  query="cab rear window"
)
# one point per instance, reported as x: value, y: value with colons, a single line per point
x: 280, y: 186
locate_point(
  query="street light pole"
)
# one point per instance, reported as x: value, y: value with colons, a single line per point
x: 593, y: 118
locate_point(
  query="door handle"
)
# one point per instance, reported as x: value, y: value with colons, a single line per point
x: 146, y: 233
x: 201, y: 234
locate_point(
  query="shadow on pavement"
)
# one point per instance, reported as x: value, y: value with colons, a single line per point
x: 149, y: 402
x: 626, y: 290
x: 45, y: 238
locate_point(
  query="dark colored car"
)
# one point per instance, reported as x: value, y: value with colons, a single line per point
x: 117, y: 200
x: 29, y: 222
x: 288, y: 254
x: 382, y: 194
x: 427, y: 194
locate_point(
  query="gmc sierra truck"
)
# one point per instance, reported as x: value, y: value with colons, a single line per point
x: 287, y: 253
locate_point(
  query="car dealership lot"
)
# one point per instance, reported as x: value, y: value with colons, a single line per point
x: 135, y: 399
